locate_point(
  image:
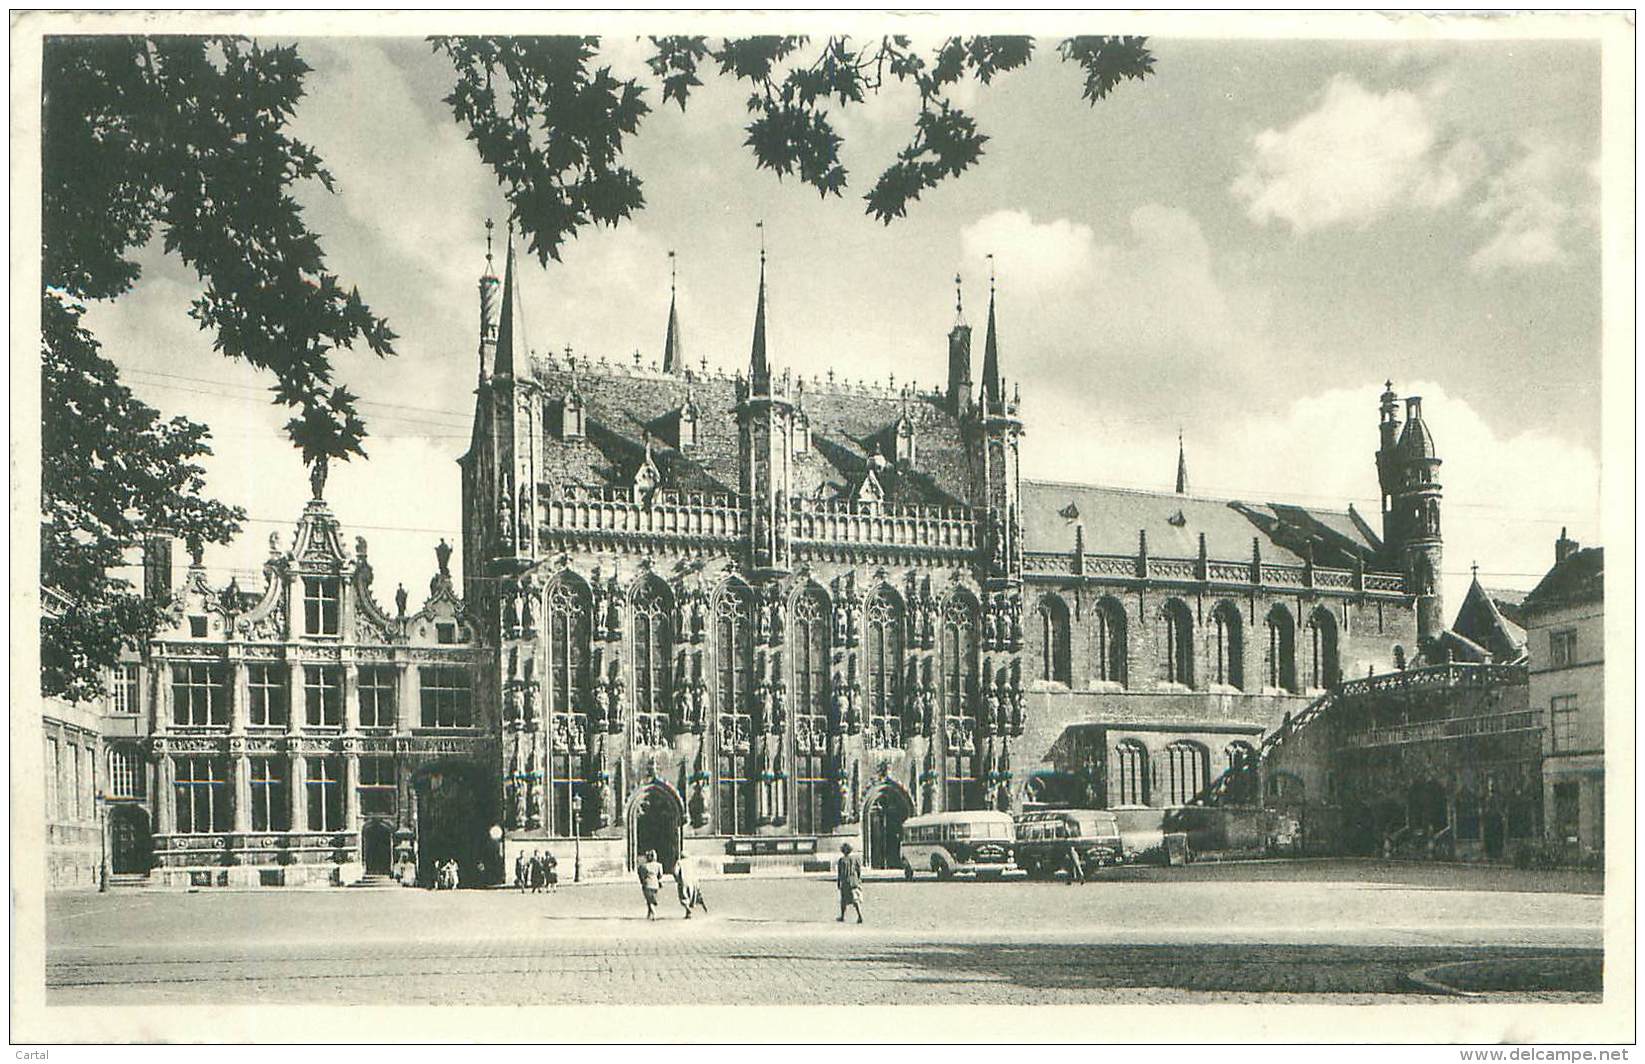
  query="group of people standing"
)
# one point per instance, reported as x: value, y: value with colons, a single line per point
x: 445, y: 874
x: 536, y: 872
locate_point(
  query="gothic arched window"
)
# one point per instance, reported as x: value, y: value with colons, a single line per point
x: 568, y: 609
x: 1128, y: 779
x: 957, y: 649
x: 1185, y: 770
x: 1054, y: 640
x: 734, y: 697
x: 884, y: 666
x: 1176, y: 643
x: 808, y: 641
x: 653, y: 651
x: 1280, y: 658
x: 1109, y: 642
x: 1229, y: 663
x: 1323, y: 669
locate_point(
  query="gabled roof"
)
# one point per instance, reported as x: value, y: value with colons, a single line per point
x: 848, y: 426
x: 1112, y: 517
x: 1579, y: 578
x: 1481, y: 621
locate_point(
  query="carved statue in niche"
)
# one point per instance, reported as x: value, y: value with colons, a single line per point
x: 524, y: 512
x: 1014, y: 608
x: 528, y: 616
x: 505, y: 520
x: 528, y: 699
x: 534, y: 811
x: 614, y: 608
x: 442, y: 557
x: 996, y: 539
x: 779, y: 714
x: 598, y: 719
x: 521, y: 812
x: 928, y: 707
x: 511, y: 702
x: 614, y: 701
x: 762, y: 698
x: 842, y: 708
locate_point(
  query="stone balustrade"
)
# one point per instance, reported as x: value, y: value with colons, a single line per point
x: 1207, y: 571
x: 1525, y: 720
x: 616, y: 512
x: 946, y: 529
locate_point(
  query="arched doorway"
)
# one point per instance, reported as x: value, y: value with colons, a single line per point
x: 654, y: 824
x: 377, y: 847
x: 882, y: 827
x: 130, y: 843
x: 452, y: 817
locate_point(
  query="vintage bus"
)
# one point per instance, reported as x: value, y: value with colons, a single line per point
x: 979, y: 841
x: 1044, y: 837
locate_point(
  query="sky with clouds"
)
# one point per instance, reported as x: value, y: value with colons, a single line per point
x: 1242, y: 247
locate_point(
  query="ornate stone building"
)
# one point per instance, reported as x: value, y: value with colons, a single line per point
x: 301, y: 733
x: 751, y: 616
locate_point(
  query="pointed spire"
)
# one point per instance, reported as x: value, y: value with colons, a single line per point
x: 1182, y: 466
x: 759, y: 370
x: 992, y: 398
x: 673, y: 353
x: 959, y: 302
x: 511, y: 335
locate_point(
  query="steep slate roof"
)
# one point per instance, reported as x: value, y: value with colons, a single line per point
x: 847, y: 428
x: 1579, y: 578
x: 1113, y: 516
x: 1480, y: 621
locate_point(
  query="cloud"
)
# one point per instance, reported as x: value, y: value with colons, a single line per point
x: 1532, y: 207
x: 1035, y: 256
x: 1506, y: 494
x: 1355, y: 157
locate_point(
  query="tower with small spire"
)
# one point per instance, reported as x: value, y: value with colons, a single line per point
x: 500, y: 470
x: 765, y: 433
x: 959, y: 357
x: 1001, y: 432
x: 1182, y: 466
x: 673, y: 351
x: 1408, y: 474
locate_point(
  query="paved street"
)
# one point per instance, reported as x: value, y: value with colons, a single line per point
x: 1308, y: 931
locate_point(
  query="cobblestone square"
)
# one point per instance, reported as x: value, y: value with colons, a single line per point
x: 1326, y: 931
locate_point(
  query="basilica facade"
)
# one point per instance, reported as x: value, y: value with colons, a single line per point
x: 744, y: 617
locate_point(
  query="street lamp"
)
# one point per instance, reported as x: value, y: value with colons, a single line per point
x: 576, y: 838
x: 495, y: 832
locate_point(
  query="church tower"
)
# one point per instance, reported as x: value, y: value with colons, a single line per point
x: 765, y: 435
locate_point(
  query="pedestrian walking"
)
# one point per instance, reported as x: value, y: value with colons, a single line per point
x: 522, y: 872
x: 535, y: 871
x: 1076, y: 868
x: 691, y: 895
x: 551, y: 878
x: 651, y: 881
x: 848, y: 876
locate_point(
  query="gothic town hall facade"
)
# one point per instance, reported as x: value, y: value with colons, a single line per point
x: 743, y: 618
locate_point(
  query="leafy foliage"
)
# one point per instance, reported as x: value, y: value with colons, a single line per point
x: 188, y: 134
x: 556, y: 146
x: 112, y: 472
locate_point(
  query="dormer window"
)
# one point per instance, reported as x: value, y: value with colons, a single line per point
x: 572, y: 426
x: 197, y: 627
x: 321, y: 598
x: 905, y: 441
x: 445, y: 632
x: 688, y: 425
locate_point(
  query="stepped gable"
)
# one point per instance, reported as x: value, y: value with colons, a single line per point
x: 1112, y: 518
x: 849, y: 427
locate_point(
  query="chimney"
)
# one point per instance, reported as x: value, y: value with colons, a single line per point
x: 1564, y: 547
x: 157, y: 568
